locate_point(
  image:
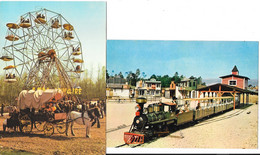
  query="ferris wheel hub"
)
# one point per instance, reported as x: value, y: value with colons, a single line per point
x: 52, y: 53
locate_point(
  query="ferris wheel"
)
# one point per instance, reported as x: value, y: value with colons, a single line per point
x: 42, y: 48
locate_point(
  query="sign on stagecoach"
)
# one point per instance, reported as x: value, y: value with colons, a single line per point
x: 73, y: 91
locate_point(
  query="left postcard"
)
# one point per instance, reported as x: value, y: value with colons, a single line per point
x: 52, y: 77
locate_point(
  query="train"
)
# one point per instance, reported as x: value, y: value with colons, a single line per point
x: 157, y: 118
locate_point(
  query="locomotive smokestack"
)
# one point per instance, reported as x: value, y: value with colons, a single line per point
x: 141, y: 101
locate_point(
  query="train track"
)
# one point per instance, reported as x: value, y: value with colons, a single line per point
x: 118, y: 128
x: 131, y: 145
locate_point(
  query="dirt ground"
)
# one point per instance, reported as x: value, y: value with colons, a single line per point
x: 235, y: 129
x: 36, y: 143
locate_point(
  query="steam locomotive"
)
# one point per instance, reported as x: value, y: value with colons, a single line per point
x: 158, y: 118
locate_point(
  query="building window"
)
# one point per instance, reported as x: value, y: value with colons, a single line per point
x: 233, y: 83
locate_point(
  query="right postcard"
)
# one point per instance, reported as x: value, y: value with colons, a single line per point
x: 182, y: 94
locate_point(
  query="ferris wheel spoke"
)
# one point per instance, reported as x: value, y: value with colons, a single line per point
x: 21, y: 43
x: 33, y: 73
x: 46, y: 72
x: 45, y: 37
x: 14, y: 55
x: 35, y: 42
x: 22, y: 53
x: 15, y: 33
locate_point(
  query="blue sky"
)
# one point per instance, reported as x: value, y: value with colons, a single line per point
x: 208, y: 59
x: 88, y: 19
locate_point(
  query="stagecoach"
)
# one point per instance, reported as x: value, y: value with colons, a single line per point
x: 34, y: 109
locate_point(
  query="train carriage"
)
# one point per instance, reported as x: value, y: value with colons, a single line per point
x: 184, y: 117
x: 199, y: 114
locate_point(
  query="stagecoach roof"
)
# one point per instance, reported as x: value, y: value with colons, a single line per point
x: 35, y: 99
x: 225, y: 87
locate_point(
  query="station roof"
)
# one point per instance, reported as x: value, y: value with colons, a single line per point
x: 235, y: 69
x: 225, y: 87
x: 239, y: 76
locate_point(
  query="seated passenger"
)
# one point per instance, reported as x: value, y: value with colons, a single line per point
x: 181, y: 110
x: 58, y: 109
x: 22, y: 19
x: 10, y: 76
x: 38, y: 16
x: 198, y: 107
x: 53, y: 108
x: 70, y: 34
x: 186, y: 108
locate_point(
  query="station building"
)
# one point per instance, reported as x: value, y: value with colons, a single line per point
x: 233, y: 85
x: 234, y: 79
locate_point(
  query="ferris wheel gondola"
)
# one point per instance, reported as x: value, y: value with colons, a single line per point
x: 12, y: 26
x: 37, y: 48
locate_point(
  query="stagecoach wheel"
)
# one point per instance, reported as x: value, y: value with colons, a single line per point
x: 61, y: 127
x: 48, y: 129
x: 25, y: 124
x: 39, y: 125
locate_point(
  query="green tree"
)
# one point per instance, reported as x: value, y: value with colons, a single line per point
x: 176, y: 78
x: 153, y: 77
x: 121, y: 75
x: 107, y: 75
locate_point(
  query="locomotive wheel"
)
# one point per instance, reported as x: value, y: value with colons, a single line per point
x: 39, y: 125
x: 48, y: 129
x: 61, y: 127
x: 25, y: 124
